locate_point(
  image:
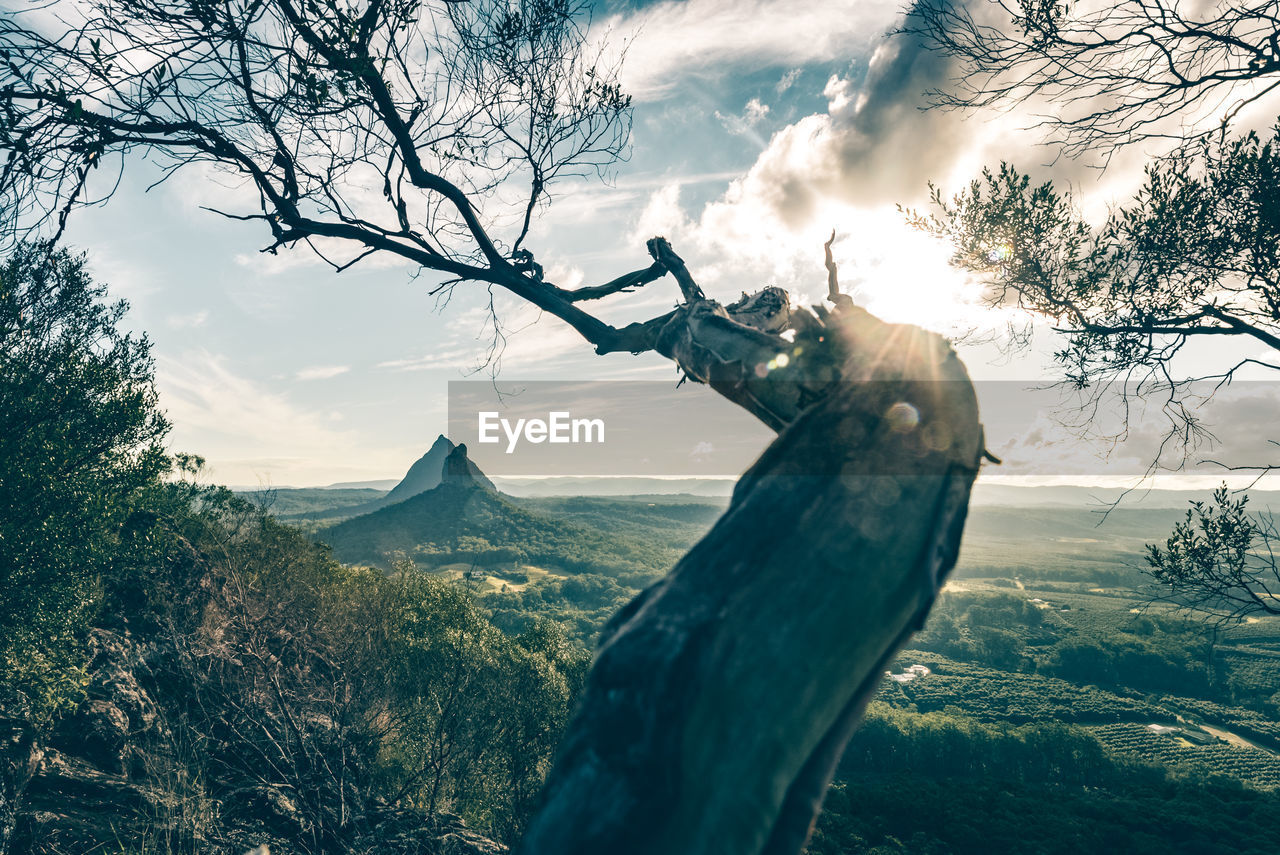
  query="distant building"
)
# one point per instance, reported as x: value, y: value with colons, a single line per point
x: 908, y: 674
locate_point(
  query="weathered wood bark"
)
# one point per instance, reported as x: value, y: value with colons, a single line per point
x: 722, y: 697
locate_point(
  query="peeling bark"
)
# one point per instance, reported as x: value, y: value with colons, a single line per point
x: 722, y: 697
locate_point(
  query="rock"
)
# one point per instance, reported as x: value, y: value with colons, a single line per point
x: 74, y: 806
x: 20, y: 757
x: 459, y: 469
x: 118, y: 716
x: 98, y: 732
x: 79, y: 793
x: 115, y: 667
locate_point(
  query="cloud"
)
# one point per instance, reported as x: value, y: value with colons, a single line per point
x: 247, y: 431
x: 322, y: 372
x: 847, y: 167
x: 525, y: 337
x: 753, y: 114
x: 188, y: 321
x: 873, y: 145
x: 662, y: 215
x: 702, y: 451
x: 1052, y: 430
x: 788, y: 80
x: 679, y: 40
x: 458, y: 358
x: 319, y: 254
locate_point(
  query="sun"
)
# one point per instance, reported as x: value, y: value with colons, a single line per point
x: 904, y: 276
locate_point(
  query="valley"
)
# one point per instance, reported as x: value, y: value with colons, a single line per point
x: 1045, y: 646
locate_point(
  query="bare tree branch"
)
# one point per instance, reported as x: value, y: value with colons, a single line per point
x: 1116, y: 73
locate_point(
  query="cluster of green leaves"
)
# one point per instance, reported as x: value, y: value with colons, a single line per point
x: 1194, y: 254
x: 343, y: 691
x: 80, y: 435
x: 1219, y: 560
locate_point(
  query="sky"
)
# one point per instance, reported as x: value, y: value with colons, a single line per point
x: 759, y: 126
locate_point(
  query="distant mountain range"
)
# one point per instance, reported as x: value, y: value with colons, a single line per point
x: 353, y: 498
x: 632, y: 529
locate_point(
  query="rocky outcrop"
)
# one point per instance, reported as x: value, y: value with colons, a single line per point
x: 423, y: 475
x: 118, y: 718
x: 459, y: 469
x: 87, y: 786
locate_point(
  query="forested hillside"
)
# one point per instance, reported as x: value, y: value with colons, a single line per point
x: 182, y: 673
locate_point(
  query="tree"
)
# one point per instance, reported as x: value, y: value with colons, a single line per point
x: 1220, y: 561
x: 1116, y: 73
x: 331, y: 704
x: 434, y: 104
x: 1193, y: 256
x: 80, y: 435
x: 439, y: 106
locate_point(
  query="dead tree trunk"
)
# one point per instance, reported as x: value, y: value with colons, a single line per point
x: 722, y: 697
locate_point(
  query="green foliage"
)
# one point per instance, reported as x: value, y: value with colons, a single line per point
x: 1218, y: 561
x: 1206, y: 221
x: 343, y: 689
x: 80, y: 435
x: 947, y: 784
x: 992, y: 695
x: 1195, y: 253
x: 582, y: 604
x: 1132, y: 739
x: 314, y: 502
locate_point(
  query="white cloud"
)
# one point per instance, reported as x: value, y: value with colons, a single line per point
x: 681, y: 39
x: 188, y: 321
x: 322, y: 372
x: 752, y: 114
x: 458, y: 358
x: 662, y: 215
x: 526, y: 338
x: 845, y: 168
x: 248, y: 432
x: 303, y: 256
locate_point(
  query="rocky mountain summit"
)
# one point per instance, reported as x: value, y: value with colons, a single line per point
x: 443, y: 461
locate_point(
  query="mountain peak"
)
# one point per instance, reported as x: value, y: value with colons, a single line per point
x: 424, y: 474
x: 459, y: 469
x: 432, y: 469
